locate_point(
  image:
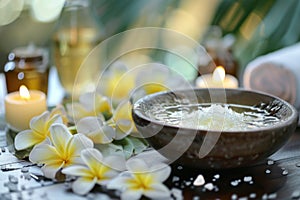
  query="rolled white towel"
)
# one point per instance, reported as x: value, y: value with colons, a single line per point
x: 276, y: 73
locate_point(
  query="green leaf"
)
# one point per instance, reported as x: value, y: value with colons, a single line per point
x: 109, y: 149
x: 139, y: 144
x: 127, y: 147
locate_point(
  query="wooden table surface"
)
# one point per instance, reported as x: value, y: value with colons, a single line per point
x: 276, y: 178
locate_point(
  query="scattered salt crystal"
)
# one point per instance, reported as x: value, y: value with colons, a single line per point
x: 199, y: 180
x: 175, y: 178
x: 217, y: 176
x: 13, y: 179
x: 252, y: 196
x: 264, y: 197
x: 187, y: 183
x: 234, y: 197
x: 285, y: 172
x: 268, y: 171
x: 235, y: 183
x: 272, y: 196
x: 216, y: 189
x: 296, y: 194
x: 247, y: 178
x: 25, y: 170
x: 209, y: 186
x: 179, y: 167
x: 12, y: 187
x: 196, y: 198
x: 270, y: 162
x: 177, y: 193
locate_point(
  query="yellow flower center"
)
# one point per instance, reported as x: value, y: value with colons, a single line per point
x: 140, y: 181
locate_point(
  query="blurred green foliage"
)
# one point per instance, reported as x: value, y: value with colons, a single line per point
x: 260, y: 26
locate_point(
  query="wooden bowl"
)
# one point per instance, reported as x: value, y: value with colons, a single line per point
x: 214, y: 148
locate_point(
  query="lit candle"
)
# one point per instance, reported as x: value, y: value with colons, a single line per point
x: 21, y: 106
x: 217, y: 80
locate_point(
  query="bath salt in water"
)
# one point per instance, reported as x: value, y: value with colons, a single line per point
x: 217, y: 117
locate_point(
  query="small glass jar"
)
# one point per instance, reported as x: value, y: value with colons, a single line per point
x: 27, y: 66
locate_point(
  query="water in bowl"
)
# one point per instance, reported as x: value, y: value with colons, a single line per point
x: 219, y: 117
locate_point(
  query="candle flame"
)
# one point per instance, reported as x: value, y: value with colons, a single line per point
x: 24, y: 93
x: 219, y: 74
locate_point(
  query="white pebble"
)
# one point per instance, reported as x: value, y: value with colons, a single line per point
x: 270, y: 162
x: 296, y: 194
x: 252, y: 196
x: 217, y: 176
x: 247, y: 178
x: 234, y: 197
x: 209, y: 186
x: 234, y: 183
x: 177, y: 193
x: 199, y: 180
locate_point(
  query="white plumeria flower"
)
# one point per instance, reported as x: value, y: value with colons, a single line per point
x: 118, y: 127
x: 159, y: 78
x: 61, y: 150
x: 61, y: 111
x: 123, y: 121
x: 98, y: 170
x: 142, y: 180
x: 38, y: 132
x: 90, y: 104
x: 95, y: 129
x: 117, y: 82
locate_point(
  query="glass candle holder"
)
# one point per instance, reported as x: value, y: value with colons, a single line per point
x: 27, y: 66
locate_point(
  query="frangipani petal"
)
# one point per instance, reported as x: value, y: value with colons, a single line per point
x: 55, y: 119
x: 37, y: 123
x: 137, y: 166
x: 87, y: 100
x: 78, y: 143
x: 92, y: 158
x: 115, y: 162
x: 51, y: 169
x: 123, y: 128
x: 94, y: 129
x: 43, y: 153
x: 77, y: 170
x: 131, y: 194
x: 60, y: 137
x: 118, y: 183
x: 105, y: 135
x: 160, y: 172
x: 26, y: 139
x: 77, y: 111
x: 83, y: 185
x: 104, y: 105
x: 123, y: 111
x: 158, y: 191
x: 89, y: 124
x: 59, y: 110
